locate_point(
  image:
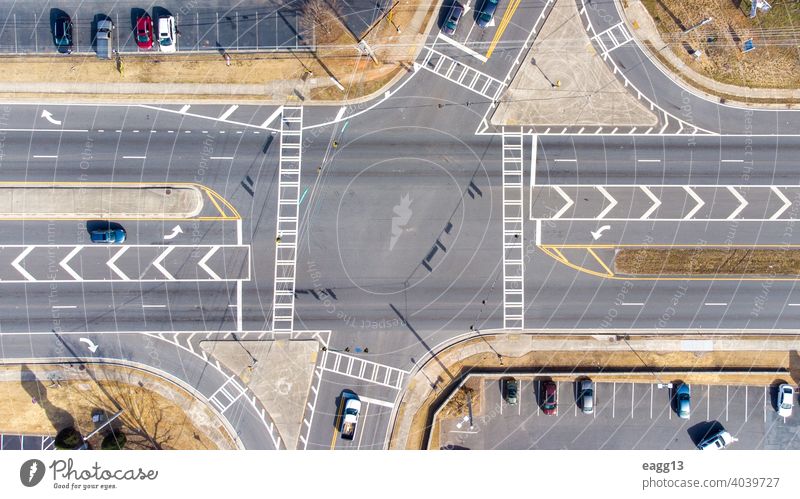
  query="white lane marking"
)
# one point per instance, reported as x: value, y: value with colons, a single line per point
x: 732, y: 161
x: 340, y: 113
x: 153, y: 306
x: 786, y: 203
x: 697, y: 199
x: 19, y: 268
x: 633, y: 304
x: 742, y: 202
x: 612, y: 201
x: 462, y: 47
x: 272, y: 117
x: 224, y: 116
x: 376, y: 401
x: 656, y: 202
x: 715, y: 304
x: 65, y: 306
x: 40, y: 130
x: 184, y: 109
x: 43, y: 156
x: 794, y: 304
x: 649, y: 161
x: 220, y: 157
x: 573, y: 160
x: 134, y: 157
x: 568, y: 199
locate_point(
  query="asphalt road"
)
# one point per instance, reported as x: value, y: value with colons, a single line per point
x: 401, y: 223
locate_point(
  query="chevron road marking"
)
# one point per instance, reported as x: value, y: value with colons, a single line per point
x: 786, y: 203
x: 656, y: 202
x: 742, y: 203
x: 202, y: 263
x: 19, y: 268
x: 613, y: 202
x: 697, y: 199
x: 70, y: 271
x: 112, y: 263
x: 157, y: 263
x: 568, y: 199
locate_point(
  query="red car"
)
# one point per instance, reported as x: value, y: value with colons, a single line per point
x: 549, y: 398
x: 144, y: 32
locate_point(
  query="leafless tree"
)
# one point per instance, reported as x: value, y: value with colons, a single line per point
x: 320, y: 17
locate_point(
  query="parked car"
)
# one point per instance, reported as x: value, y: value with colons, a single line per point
x: 549, y: 398
x: 453, y: 16
x: 62, y: 33
x: 682, y: 400
x: 166, y: 33
x: 510, y: 390
x: 108, y: 236
x: 144, y: 32
x: 486, y: 13
x: 785, y: 400
x: 586, y: 396
x: 717, y: 441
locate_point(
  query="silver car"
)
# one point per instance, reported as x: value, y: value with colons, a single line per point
x: 587, y: 396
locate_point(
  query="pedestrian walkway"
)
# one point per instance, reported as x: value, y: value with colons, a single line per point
x: 461, y: 74
x: 26, y: 442
x: 366, y: 370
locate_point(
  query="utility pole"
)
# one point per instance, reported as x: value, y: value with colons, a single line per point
x: 85, y: 445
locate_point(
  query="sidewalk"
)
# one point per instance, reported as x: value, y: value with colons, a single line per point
x: 258, y: 78
x: 641, y: 25
x: 705, y: 354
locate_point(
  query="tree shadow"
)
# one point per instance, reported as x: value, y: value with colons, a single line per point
x: 671, y: 15
x: 57, y: 416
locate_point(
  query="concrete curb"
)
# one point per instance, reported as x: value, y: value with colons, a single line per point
x: 144, y: 368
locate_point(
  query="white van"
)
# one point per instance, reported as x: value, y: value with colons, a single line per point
x: 166, y: 33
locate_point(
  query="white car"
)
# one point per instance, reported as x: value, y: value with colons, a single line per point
x: 717, y: 441
x: 166, y: 33
x: 785, y: 400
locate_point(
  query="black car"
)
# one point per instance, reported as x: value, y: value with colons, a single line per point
x: 486, y: 13
x: 62, y: 33
x: 451, y: 23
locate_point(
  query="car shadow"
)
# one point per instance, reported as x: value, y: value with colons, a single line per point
x: 92, y: 225
x: 136, y: 13
x: 701, y: 431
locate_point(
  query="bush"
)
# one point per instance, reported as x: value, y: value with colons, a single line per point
x: 114, y: 441
x: 68, y: 439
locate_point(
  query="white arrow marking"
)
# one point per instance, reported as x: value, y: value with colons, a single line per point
x: 157, y: 263
x: 466, y: 7
x: 417, y: 66
x: 786, y: 203
x: 613, y: 202
x: 599, y: 233
x: 175, y: 231
x: 202, y: 263
x: 490, y: 23
x: 340, y: 113
x: 90, y: 344
x: 700, y: 202
x: 742, y: 202
x: 116, y: 269
x: 656, y: 202
x: 49, y: 117
x: 69, y: 269
x: 19, y: 268
x: 568, y: 199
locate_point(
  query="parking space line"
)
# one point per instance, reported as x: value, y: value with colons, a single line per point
x: 536, y: 395
x: 461, y: 47
x: 224, y: 116
x: 765, y: 403
x: 633, y: 389
x: 614, y: 401
x: 726, y: 402
x: 379, y: 402
x: 651, y: 401
x: 557, y: 398
x: 708, y: 407
x: 520, y: 398
x: 745, y: 403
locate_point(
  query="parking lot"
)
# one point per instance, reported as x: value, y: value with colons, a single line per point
x: 627, y: 416
x: 251, y: 25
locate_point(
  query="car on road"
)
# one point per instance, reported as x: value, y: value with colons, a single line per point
x: 144, y: 32
x: 352, y: 409
x: 62, y: 33
x: 108, y: 236
x: 486, y: 13
x: 549, y: 398
x: 682, y: 400
x: 510, y: 390
x: 166, y: 33
x: 453, y: 16
x: 785, y: 400
x: 717, y: 441
x: 586, y: 396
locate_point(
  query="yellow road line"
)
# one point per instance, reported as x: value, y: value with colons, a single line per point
x: 601, y: 262
x: 336, y: 422
x: 509, y: 13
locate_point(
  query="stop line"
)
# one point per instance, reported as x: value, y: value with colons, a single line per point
x: 665, y: 202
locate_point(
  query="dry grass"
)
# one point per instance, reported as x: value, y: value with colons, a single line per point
x: 722, y: 261
x: 150, y: 420
x: 775, y: 63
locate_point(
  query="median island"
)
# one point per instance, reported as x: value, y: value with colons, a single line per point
x: 708, y: 261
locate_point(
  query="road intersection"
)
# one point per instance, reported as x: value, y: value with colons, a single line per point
x: 399, y: 224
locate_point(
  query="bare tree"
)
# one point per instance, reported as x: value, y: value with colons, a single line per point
x: 321, y: 17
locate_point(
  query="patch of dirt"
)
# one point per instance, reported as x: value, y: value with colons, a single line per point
x: 157, y: 414
x: 775, y: 62
x: 708, y: 261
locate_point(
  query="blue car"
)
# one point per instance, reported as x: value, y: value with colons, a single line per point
x: 683, y: 397
x: 108, y: 236
x: 486, y: 13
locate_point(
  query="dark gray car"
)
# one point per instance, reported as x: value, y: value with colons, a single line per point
x: 486, y: 13
x: 453, y: 16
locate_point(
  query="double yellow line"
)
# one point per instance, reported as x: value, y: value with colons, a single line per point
x: 501, y: 28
